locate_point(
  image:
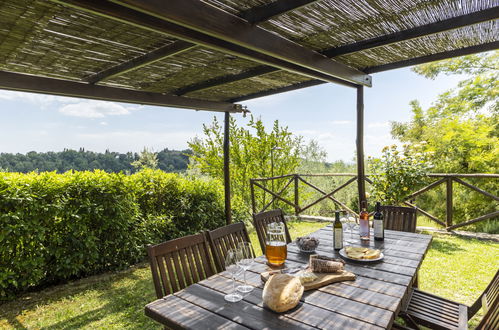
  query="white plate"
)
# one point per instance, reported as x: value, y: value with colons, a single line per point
x: 343, y: 254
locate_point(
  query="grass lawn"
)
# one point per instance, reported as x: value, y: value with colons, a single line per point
x: 454, y: 267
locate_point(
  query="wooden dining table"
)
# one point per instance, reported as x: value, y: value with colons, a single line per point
x: 372, y: 301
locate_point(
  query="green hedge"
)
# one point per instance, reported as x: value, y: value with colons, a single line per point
x: 55, y: 227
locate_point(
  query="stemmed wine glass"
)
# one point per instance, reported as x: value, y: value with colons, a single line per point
x: 351, y: 223
x: 245, y: 260
x: 231, y: 266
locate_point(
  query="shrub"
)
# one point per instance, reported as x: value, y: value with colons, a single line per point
x: 55, y: 227
x: 397, y: 173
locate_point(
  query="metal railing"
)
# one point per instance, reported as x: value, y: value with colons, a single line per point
x: 295, y: 180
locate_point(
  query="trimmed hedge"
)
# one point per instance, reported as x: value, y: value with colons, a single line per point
x: 55, y: 227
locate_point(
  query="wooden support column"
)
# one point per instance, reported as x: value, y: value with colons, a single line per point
x: 449, y: 202
x: 228, y: 211
x: 360, y: 145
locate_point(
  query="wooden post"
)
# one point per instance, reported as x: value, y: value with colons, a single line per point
x: 253, y: 202
x: 297, y: 199
x: 228, y: 211
x: 449, y: 202
x: 360, y: 145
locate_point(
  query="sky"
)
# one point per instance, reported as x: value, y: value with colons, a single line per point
x: 326, y: 113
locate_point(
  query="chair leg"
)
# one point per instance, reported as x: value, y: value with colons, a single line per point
x: 409, y: 321
x: 415, y: 284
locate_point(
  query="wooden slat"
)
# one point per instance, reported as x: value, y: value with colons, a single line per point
x: 243, y: 312
x: 176, y: 313
x: 364, y: 282
x: 311, y: 312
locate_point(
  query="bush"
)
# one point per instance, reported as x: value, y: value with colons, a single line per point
x: 55, y: 227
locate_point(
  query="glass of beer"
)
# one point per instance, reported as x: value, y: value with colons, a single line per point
x: 276, y: 249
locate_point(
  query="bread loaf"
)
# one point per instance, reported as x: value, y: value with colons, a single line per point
x: 323, y: 264
x: 282, y: 292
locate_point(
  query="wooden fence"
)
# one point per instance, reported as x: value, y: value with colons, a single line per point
x: 293, y: 180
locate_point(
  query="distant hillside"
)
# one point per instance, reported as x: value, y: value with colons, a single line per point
x: 168, y: 161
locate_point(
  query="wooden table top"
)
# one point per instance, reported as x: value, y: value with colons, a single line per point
x: 370, y: 302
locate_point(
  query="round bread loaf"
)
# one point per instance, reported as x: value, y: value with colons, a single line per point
x: 282, y: 292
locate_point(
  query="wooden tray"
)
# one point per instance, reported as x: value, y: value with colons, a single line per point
x: 321, y: 280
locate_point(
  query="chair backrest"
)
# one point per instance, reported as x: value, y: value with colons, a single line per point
x: 489, y: 300
x: 399, y: 218
x: 180, y: 262
x: 225, y: 238
x: 261, y: 220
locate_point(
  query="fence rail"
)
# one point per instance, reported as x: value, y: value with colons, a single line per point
x: 449, y: 179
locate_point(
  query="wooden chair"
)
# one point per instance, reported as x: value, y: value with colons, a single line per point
x: 399, y: 218
x: 225, y: 238
x: 261, y: 220
x: 180, y: 262
x: 439, y: 313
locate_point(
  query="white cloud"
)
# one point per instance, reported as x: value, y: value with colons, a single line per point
x: 103, y: 123
x: 134, y: 140
x: 341, y: 122
x: 94, y: 109
x: 377, y: 124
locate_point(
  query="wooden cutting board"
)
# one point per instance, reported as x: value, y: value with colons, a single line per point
x: 321, y: 280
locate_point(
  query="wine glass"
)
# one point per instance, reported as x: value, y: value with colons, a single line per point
x: 352, y: 223
x: 245, y: 260
x: 233, y: 268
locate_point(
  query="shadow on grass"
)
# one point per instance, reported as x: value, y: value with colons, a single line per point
x: 122, y: 302
x: 446, y: 247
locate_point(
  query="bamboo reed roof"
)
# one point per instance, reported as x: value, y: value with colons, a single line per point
x: 57, y: 39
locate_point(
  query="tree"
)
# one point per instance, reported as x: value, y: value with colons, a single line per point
x: 147, y: 159
x: 250, y: 155
x: 461, y: 130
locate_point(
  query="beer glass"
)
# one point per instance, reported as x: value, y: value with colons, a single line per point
x: 276, y: 249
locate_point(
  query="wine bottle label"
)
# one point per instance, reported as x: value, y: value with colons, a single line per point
x: 378, y: 228
x: 338, y: 238
x: 364, y: 228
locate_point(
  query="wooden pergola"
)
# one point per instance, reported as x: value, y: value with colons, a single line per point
x: 214, y: 54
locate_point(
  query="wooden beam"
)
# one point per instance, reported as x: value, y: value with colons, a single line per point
x: 35, y: 84
x: 304, y: 84
x: 158, y: 54
x: 160, y: 25
x: 226, y: 147
x: 265, y: 12
x: 435, y: 57
x: 361, y: 184
x: 417, y: 32
x: 206, y: 19
x: 258, y: 71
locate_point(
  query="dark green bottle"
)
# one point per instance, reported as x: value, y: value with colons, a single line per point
x: 337, y: 232
x: 378, y: 224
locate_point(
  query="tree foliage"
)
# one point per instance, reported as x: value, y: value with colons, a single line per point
x: 147, y: 159
x: 83, y: 160
x: 251, y: 148
x: 461, y: 130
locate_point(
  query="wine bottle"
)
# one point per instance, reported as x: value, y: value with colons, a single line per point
x: 364, y: 222
x: 378, y: 224
x: 337, y: 232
